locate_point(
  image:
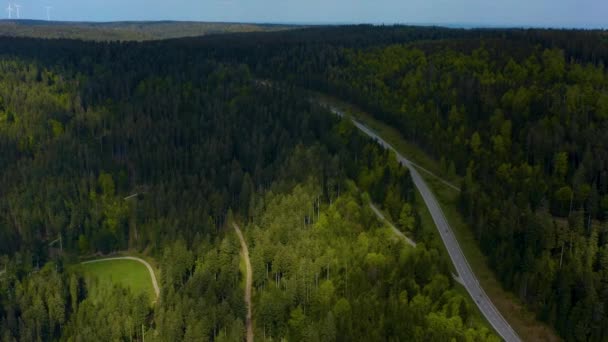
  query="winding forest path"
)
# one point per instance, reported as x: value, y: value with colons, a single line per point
x: 148, y: 266
x: 403, y: 236
x: 248, y: 281
x: 393, y: 228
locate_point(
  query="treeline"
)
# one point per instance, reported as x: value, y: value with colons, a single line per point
x: 526, y: 131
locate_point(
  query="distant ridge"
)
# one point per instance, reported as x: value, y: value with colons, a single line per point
x: 126, y: 30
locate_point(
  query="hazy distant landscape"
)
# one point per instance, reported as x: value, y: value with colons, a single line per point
x: 138, y: 31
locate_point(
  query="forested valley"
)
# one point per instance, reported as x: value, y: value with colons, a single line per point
x: 128, y: 146
x: 207, y: 131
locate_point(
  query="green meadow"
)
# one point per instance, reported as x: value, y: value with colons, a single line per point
x: 102, y: 275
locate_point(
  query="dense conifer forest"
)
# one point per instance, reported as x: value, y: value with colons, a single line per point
x: 192, y: 128
x: 527, y: 133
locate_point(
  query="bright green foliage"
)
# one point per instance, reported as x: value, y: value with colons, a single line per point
x: 406, y: 218
x: 340, y: 272
x: 117, y: 314
x: 130, y: 274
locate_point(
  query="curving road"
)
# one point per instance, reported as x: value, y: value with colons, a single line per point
x: 148, y: 266
x: 465, y: 274
x: 248, y: 282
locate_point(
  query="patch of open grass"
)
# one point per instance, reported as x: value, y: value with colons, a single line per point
x: 102, y: 276
x: 522, y: 320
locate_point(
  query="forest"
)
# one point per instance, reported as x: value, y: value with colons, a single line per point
x: 188, y: 128
x: 200, y: 143
x: 526, y: 132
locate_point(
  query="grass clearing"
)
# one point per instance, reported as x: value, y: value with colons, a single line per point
x: 128, y: 273
x: 522, y: 320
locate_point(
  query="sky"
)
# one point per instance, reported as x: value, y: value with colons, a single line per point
x: 536, y: 13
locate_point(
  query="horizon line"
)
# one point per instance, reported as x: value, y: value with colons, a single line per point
x: 454, y: 25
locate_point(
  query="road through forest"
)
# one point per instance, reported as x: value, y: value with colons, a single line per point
x: 466, y: 275
x: 248, y: 282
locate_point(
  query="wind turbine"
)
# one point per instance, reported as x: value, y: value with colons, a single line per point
x: 9, y: 9
x: 48, y: 12
x: 18, y: 7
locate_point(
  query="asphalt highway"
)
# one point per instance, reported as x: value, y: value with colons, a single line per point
x: 465, y: 274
